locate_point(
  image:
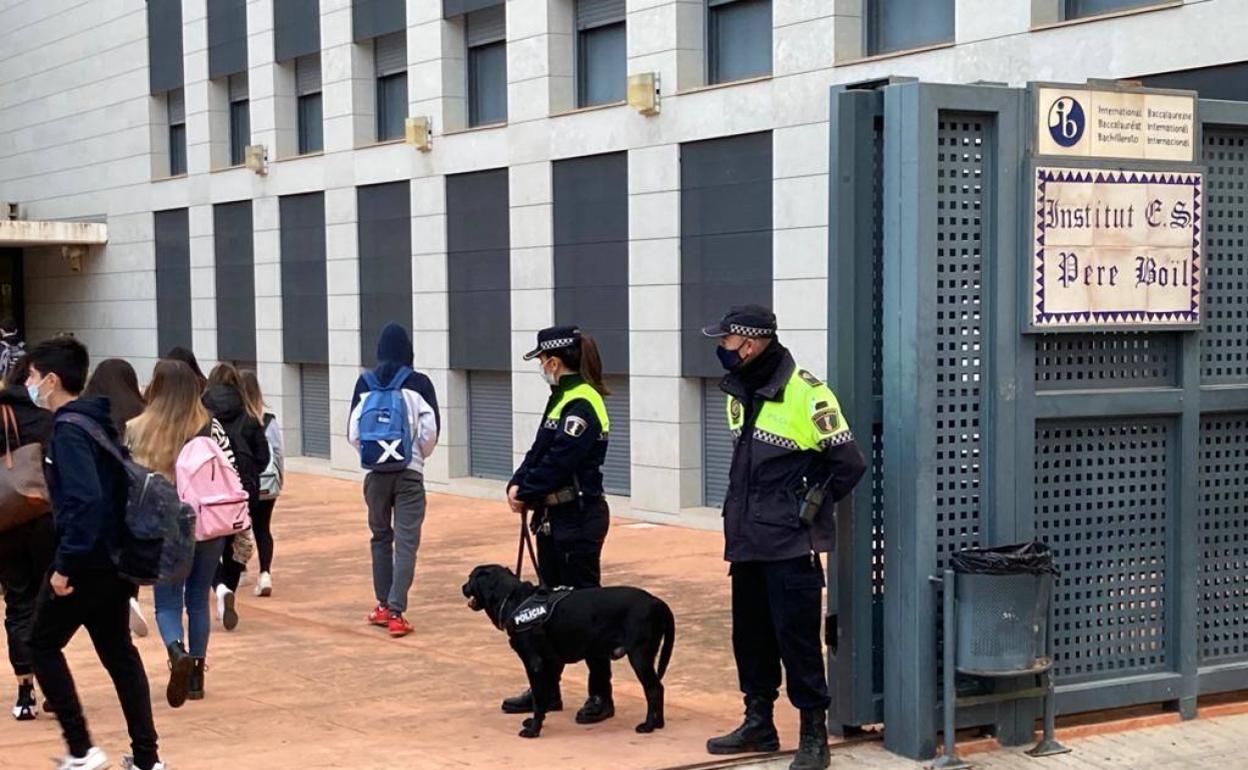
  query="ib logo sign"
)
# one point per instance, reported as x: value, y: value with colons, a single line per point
x: 1066, y: 121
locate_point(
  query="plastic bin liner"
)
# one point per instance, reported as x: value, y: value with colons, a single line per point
x: 1035, y: 558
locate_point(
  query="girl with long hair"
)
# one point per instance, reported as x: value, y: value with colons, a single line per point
x: 271, y: 479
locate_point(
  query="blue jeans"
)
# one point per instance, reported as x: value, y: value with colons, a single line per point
x: 193, y: 594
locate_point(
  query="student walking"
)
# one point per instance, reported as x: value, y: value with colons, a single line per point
x: 88, y: 489
x: 271, y: 480
x: 187, y: 357
x: 157, y: 438
x: 25, y: 550
x: 115, y: 379
x: 224, y: 400
x: 394, y: 423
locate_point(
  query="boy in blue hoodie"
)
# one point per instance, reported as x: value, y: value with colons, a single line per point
x: 396, y: 497
x: 83, y: 588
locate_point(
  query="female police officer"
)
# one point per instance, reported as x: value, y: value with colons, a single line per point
x: 560, y: 480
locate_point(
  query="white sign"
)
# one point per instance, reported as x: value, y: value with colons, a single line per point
x: 1079, y: 122
x: 1116, y: 249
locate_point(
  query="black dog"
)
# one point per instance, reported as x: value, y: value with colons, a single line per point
x: 586, y: 622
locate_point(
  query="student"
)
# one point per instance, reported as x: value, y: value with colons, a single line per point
x: 180, y: 353
x: 114, y: 379
x: 83, y: 588
x: 25, y: 551
x: 175, y: 415
x: 271, y: 479
x: 224, y: 399
x: 394, y: 488
x: 12, y: 348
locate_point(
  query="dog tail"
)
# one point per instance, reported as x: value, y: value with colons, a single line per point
x: 669, y: 638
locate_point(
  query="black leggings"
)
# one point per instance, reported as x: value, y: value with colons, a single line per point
x: 262, y: 526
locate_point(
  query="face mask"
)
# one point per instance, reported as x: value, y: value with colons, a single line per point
x: 550, y: 378
x: 35, y: 397
x: 730, y: 359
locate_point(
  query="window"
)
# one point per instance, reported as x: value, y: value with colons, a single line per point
x: 738, y: 35
x: 308, y: 89
x: 487, y: 66
x: 240, y: 119
x: 899, y: 25
x: 390, y: 61
x: 177, y: 132
x: 1079, y: 9
x: 600, y: 52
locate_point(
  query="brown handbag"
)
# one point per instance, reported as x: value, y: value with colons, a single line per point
x: 23, y: 487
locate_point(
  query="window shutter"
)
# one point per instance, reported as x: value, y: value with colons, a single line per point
x: 238, y: 87
x: 390, y: 54
x: 308, y: 75
x: 717, y: 444
x: 488, y: 25
x: 177, y: 107
x: 595, y: 13
x: 314, y: 409
x: 616, y: 470
x: 489, y: 424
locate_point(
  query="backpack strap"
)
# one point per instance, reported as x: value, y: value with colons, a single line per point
x: 93, y: 430
x: 370, y: 379
x: 399, y: 378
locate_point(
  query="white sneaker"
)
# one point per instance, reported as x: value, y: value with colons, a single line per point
x: 94, y: 760
x: 264, y: 586
x: 138, y: 626
x: 127, y: 763
x: 225, y: 608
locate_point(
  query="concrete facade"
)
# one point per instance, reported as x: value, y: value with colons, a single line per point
x: 80, y: 134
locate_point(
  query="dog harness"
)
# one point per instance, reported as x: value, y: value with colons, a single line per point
x: 534, y: 611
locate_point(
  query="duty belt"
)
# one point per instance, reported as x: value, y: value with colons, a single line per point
x: 559, y: 497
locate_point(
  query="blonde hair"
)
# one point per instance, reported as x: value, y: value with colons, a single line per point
x: 253, y: 399
x: 174, y: 415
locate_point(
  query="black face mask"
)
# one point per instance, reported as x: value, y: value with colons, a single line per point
x: 730, y: 359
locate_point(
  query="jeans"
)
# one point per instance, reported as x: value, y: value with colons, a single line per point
x: 100, y: 603
x: 396, y: 511
x: 262, y: 528
x: 193, y: 593
x: 25, y: 555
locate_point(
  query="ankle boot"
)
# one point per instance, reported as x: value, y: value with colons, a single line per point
x: 196, y: 689
x: 523, y: 703
x: 180, y: 668
x: 812, y: 751
x: 756, y: 734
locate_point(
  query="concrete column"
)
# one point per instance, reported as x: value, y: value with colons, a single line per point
x: 848, y: 29
x: 436, y: 67
x: 343, y: 281
x: 800, y: 241
x: 431, y: 328
x: 203, y: 142
x: 532, y: 291
x: 539, y: 59
x: 203, y: 286
x: 668, y: 37
x: 347, y: 87
x: 262, y: 75
x: 666, y: 437
x: 266, y: 245
x: 801, y: 30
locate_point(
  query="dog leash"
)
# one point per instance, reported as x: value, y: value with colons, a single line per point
x: 525, y: 543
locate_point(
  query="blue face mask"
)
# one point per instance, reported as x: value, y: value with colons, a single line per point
x: 35, y: 398
x: 730, y: 359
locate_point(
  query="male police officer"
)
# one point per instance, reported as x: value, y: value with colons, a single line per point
x: 793, y: 457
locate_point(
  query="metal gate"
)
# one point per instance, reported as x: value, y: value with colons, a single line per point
x: 616, y: 471
x: 716, y: 444
x: 489, y: 424
x: 314, y: 409
x: 1126, y: 451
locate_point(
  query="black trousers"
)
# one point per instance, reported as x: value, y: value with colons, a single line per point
x: 571, y: 555
x: 262, y: 527
x: 100, y: 603
x: 25, y: 555
x: 229, y: 572
x: 777, y: 613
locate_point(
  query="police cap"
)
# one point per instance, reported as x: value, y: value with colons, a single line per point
x: 753, y: 321
x: 554, y: 338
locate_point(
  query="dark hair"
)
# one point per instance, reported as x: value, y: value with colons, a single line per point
x: 114, y: 378
x: 65, y: 357
x: 226, y: 374
x: 8, y: 324
x: 585, y: 361
x: 184, y: 355
x: 18, y: 372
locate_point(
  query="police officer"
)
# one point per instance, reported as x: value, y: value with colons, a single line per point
x: 793, y: 457
x: 560, y: 480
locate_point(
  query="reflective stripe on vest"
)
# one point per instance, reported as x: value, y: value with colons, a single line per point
x: 794, y: 422
x: 586, y: 391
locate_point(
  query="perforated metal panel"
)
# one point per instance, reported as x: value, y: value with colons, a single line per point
x: 489, y: 424
x: 877, y: 391
x: 716, y: 444
x: 616, y: 471
x: 1224, y: 341
x: 314, y: 409
x: 1103, y: 505
x: 1223, y: 523
x: 1114, y: 360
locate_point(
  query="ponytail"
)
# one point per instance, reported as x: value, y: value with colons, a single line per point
x: 586, y: 362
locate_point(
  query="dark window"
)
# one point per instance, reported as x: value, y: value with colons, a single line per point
x: 487, y: 66
x: 227, y: 37
x: 173, y: 279
x: 1078, y: 9
x: 305, y: 335
x: 308, y: 89
x: 164, y: 45
x: 240, y: 118
x: 296, y: 28
x: 600, y: 61
x: 385, y: 261
x: 738, y: 34
x: 235, y: 268
x: 177, y: 132
x: 478, y: 240
x: 390, y: 63
x: 373, y: 18
x: 899, y: 25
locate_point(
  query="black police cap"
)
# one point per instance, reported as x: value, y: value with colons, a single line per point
x: 554, y: 338
x: 744, y: 321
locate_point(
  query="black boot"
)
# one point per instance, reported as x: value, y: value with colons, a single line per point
x: 523, y: 703
x: 181, y: 667
x: 196, y: 689
x: 757, y: 733
x: 597, y: 709
x: 812, y: 751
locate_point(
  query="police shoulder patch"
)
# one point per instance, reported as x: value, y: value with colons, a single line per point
x: 574, y: 426
x: 734, y: 408
x: 809, y: 378
x: 826, y: 421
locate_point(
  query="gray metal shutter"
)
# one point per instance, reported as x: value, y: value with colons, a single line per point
x: 390, y: 54
x: 489, y: 425
x: 314, y: 409
x: 716, y: 444
x: 177, y: 107
x: 595, y: 13
x: 616, y: 471
x: 238, y: 87
x: 308, y: 74
x: 488, y: 25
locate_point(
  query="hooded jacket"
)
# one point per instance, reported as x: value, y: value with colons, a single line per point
x: 88, y: 490
x: 394, y: 351
x: 246, y: 435
x: 33, y: 424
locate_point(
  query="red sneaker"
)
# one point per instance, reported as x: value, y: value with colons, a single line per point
x: 380, y: 616
x: 399, y: 626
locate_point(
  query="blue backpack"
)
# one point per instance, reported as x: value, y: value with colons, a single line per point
x: 385, y: 431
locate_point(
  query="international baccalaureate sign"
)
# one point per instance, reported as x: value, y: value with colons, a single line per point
x: 1066, y: 121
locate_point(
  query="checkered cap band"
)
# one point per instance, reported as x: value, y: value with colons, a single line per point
x: 749, y: 331
x: 563, y: 342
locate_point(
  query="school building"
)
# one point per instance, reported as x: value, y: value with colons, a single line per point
x: 269, y: 181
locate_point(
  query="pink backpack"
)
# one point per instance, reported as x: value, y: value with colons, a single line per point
x: 209, y: 484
